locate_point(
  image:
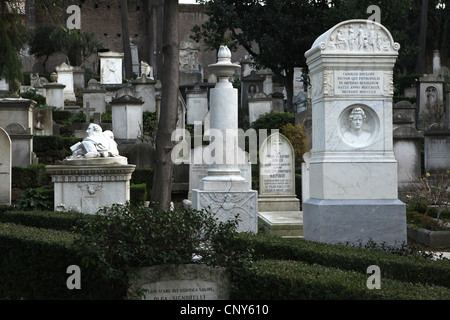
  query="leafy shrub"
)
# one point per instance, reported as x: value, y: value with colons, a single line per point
x: 432, y: 212
x: 418, y: 205
x: 273, y: 120
x: 418, y: 220
x: 138, y: 192
x: 143, y: 175
x: 296, y: 136
x: 35, y: 199
x: 33, y: 95
x: 122, y: 237
x: 432, y: 189
x: 445, y: 215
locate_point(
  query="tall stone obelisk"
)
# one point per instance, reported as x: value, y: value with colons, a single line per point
x: 353, y: 172
x: 224, y: 190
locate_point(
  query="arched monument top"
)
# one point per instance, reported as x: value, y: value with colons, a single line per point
x: 356, y: 36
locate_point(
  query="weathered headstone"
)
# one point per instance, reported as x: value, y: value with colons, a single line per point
x: 196, y: 104
x: 144, y: 87
x: 43, y: 121
x: 258, y: 104
x: 21, y: 145
x: 54, y: 96
x: 94, y: 95
x: 190, y: 69
x: 278, y: 205
x: 437, y: 149
x: 65, y: 77
x: 353, y: 172
x: 407, y: 143
x: 5, y: 168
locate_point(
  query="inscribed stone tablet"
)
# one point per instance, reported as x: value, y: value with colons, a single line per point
x: 277, y: 175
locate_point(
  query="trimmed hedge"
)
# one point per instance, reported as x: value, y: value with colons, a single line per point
x: 404, y: 268
x: 34, y: 262
x: 34, y: 176
x: 143, y: 175
x: 45, y: 219
x: 55, y: 142
x: 293, y: 280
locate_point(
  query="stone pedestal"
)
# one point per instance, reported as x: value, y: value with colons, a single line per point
x: 127, y: 117
x: 224, y: 190
x: 94, y: 95
x: 145, y: 89
x: 55, y: 95
x: 86, y: 185
x: 17, y: 110
x: 353, y: 172
x: 65, y: 77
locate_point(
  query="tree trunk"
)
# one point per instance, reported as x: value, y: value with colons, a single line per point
x: 126, y: 39
x: 423, y: 38
x: 289, y: 86
x: 159, y: 33
x: 162, y: 180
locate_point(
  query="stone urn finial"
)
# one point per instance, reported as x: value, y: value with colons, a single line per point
x: 224, y: 68
x: 54, y: 77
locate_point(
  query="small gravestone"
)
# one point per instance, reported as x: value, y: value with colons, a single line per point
x: 65, y: 77
x: 278, y: 205
x: 437, y: 149
x: 5, y: 168
x: 111, y: 67
x: 182, y: 282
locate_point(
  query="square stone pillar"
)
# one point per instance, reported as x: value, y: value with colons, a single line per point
x: 65, y: 77
x: 127, y: 116
x: 353, y: 172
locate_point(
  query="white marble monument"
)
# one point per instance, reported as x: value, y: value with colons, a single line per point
x: 224, y: 190
x: 94, y: 176
x: 353, y: 172
x: 111, y: 67
x: 65, y: 77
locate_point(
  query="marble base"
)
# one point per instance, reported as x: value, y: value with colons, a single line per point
x: 225, y: 205
x: 282, y: 223
x: 87, y: 185
x: 278, y: 203
x: 355, y: 221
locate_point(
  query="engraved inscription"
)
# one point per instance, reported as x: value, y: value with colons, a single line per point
x: 359, y: 82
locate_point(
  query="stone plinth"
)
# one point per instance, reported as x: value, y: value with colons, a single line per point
x: 94, y: 94
x: 127, y: 117
x: 86, y: 185
x: 258, y: 105
x: 17, y: 110
x: 196, y: 104
x: 55, y: 95
x: 353, y: 193
x: 145, y: 89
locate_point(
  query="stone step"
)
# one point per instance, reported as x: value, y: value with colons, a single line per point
x: 282, y: 223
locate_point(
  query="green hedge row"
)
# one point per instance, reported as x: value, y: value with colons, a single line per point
x: 414, y: 269
x: 34, y: 262
x: 293, y: 280
x: 143, y: 175
x: 34, y: 176
x: 65, y: 221
x: 55, y: 142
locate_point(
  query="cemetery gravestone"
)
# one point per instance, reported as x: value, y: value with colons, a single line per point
x: 353, y: 172
x: 437, y: 149
x: 5, y: 168
x: 111, y: 67
x: 65, y: 77
x: 278, y: 205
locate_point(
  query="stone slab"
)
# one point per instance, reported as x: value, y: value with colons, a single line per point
x: 183, y: 282
x: 282, y: 223
x: 355, y: 221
